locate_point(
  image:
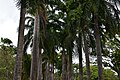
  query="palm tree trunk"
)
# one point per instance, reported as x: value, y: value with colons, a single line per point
x: 47, y: 75
x: 51, y: 71
x: 64, y: 66
x: 18, y: 65
x: 98, y: 48
x: 35, y: 51
x: 69, y: 77
x: 87, y: 56
x: 44, y: 73
x: 80, y: 57
x: 39, y: 77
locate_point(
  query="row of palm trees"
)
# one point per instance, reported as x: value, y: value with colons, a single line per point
x: 68, y: 23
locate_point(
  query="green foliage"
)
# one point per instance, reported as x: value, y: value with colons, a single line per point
x: 111, y: 51
x: 108, y: 73
x: 7, y: 59
x: 6, y: 41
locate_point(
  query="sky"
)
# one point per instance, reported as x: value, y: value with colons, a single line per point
x: 9, y: 20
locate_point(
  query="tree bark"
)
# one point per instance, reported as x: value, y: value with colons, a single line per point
x: 98, y: 47
x: 35, y: 51
x: 47, y: 76
x: 64, y: 66
x: 19, y: 55
x: 86, y: 50
x: 80, y: 56
x: 69, y: 67
x: 39, y: 76
x: 51, y: 71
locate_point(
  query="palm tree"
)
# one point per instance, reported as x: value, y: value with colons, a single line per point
x: 35, y: 51
x: 39, y: 9
x: 64, y: 66
x: 36, y: 42
x: 79, y: 44
x: 47, y: 42
x: 18, y: 65
x: 86, y: 50
x: 98, y: 48
x: 69, y: 27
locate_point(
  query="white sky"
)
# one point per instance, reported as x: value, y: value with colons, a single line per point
x: 9, y: 20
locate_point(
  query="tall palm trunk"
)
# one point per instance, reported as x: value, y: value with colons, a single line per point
x: 98, y: 47
x: 64, y: 66
x: 18, y: 65
x: 39, y: 76
x: 44, y: 72
x: 51, y: 71
x: 35, y: 51
x: 80, y: 56
x: 86, y: 49
x: 47, y: 75
x: 69, y: 67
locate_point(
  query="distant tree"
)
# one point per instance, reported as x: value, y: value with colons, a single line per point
x: 7, y: 59
x: 108, y: 73
x: 111, y: 53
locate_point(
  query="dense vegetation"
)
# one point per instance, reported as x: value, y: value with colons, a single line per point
x: 59, y: 32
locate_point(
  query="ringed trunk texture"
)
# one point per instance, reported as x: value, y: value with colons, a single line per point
x: 86, y: 49
x: 18, y: 65
x: 80, y: 57
x: 98, y: 48
x: 35, y: 51
x: 64, y: 66
x: 39, y: 76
